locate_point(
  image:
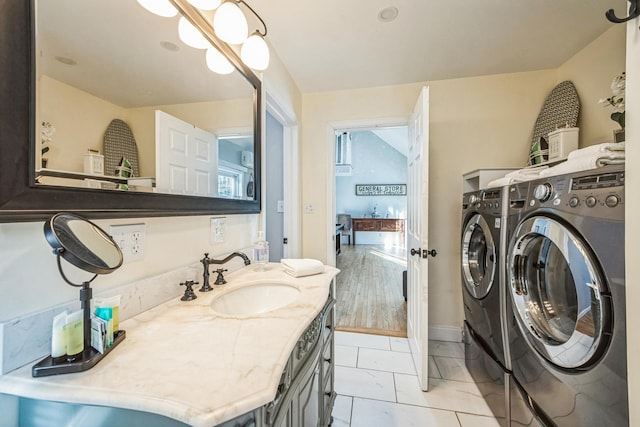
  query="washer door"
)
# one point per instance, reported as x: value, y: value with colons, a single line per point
x: 556, y: 292
x: 479, y: 261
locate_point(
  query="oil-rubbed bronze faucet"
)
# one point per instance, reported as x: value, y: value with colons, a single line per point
x: 206, y: 262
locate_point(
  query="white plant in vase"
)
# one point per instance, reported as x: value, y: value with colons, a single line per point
x: 46, y: 135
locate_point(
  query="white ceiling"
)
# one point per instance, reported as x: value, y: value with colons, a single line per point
x: 340, y: 44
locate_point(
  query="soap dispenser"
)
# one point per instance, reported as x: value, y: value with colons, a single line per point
x: 261, y: 251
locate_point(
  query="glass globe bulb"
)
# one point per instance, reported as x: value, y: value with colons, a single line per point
x: 205, y: 4
x: 255, y: 52
x: 191, y: 36
x: 159, y: 7
x: 230, y: 24
x: 217, y: 62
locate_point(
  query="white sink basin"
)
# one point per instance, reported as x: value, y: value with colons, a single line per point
x: 254, y: 298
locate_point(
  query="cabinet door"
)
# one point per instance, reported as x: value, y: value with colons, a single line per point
x: 308, y: 407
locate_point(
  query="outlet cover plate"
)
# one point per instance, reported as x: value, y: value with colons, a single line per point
x: 131, y: 239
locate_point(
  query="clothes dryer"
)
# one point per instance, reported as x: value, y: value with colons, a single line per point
x: 482, y: 217
x: 567, y: 297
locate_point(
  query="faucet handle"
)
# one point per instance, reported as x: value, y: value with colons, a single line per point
x: 188, y: 291
x: 220, y: 279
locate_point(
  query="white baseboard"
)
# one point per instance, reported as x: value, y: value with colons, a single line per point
x: 445, y: 333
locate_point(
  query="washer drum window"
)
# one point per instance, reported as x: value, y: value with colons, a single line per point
x: 556, y: 288
x: 479, y: 262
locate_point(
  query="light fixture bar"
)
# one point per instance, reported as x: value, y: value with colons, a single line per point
x: 194, y: 16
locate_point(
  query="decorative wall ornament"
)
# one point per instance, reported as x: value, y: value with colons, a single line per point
x: 381, y: 189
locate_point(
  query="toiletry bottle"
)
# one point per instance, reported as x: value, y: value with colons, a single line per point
x: 58, y: 339
x: 114, y: 303
x: 74, y: 331
x: 261, y: 252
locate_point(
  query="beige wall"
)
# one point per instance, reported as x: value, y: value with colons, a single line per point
x: 591, y: 71
x: 79, y: 118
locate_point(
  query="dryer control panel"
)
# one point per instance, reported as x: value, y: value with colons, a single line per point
x: 598, y: 193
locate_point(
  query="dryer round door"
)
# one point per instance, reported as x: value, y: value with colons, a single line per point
x: 479, y: 263
x: 556, y: 289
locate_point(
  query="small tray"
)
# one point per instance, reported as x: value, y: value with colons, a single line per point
x: 48, y: 366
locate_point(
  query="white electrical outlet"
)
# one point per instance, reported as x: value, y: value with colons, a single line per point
x: 218, y: 230
x: 131, y: 239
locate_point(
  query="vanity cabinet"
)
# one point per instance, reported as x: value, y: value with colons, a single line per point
x: 304, y: 398
x: 306, y: 393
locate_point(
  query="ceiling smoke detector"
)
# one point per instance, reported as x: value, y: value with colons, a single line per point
x: 388, y: 14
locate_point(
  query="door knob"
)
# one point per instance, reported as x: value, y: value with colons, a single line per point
x: 426, y: 253
x: 415, y: 251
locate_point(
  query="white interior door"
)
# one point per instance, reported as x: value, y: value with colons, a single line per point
x: 186, y: 158
x: 417, y: 228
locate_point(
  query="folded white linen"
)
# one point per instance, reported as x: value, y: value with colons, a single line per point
x: 606, y: 148
x: 521, y: 175
x: 582, y: 163
x: 299, y: 267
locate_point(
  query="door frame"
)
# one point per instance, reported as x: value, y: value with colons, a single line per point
x: 291, y: 162
x: 342, y: 126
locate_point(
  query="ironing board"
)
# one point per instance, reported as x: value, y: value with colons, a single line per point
x: 561, y: 108
x: 118, y: 143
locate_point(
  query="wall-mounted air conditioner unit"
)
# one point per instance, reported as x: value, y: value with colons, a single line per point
x: 247, y: 159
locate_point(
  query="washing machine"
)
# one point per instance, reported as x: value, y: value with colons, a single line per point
x: 482, y: 268
x: 482, y: 295
x: 566, y: 306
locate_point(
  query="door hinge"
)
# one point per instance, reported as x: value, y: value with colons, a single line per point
x: 285, y: 241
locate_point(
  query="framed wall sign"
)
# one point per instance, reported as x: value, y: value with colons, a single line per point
x: 381, y: 189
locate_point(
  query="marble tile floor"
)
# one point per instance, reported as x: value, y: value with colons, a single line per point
x: 377, y: 386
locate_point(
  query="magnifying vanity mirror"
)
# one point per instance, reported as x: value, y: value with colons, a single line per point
x: 88, y: 247
x: 122, y: 119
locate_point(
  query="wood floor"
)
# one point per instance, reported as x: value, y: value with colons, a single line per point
x: 369, y: 290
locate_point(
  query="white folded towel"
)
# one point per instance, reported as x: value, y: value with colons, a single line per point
x: 521, y: 175
x: 586, y: 162
x: 299, y: 267
x: 606, y: 148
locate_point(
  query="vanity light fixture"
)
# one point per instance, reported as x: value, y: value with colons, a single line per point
x: 191, y: 36
x: 217, y: 62
x: 205, y: 4
x: 229, y: 25
x: 159, y: 7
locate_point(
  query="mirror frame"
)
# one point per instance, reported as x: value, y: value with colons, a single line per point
x: 22, y: 200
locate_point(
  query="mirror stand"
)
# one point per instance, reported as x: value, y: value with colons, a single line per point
x: 88, y: 247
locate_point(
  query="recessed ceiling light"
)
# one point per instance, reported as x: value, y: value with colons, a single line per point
x: 172, y: 47
x: 388, y: 14
x: 65, y: 61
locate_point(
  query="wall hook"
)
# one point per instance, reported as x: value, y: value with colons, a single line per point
x: 634, y: 12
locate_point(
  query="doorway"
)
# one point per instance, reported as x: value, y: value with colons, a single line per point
x: 371, y: 209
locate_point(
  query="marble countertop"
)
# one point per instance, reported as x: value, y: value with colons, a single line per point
x: 183, y: 361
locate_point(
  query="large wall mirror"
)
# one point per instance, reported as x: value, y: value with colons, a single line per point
x: 111, y: 114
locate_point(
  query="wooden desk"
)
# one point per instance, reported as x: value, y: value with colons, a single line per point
x: 377, y: 224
